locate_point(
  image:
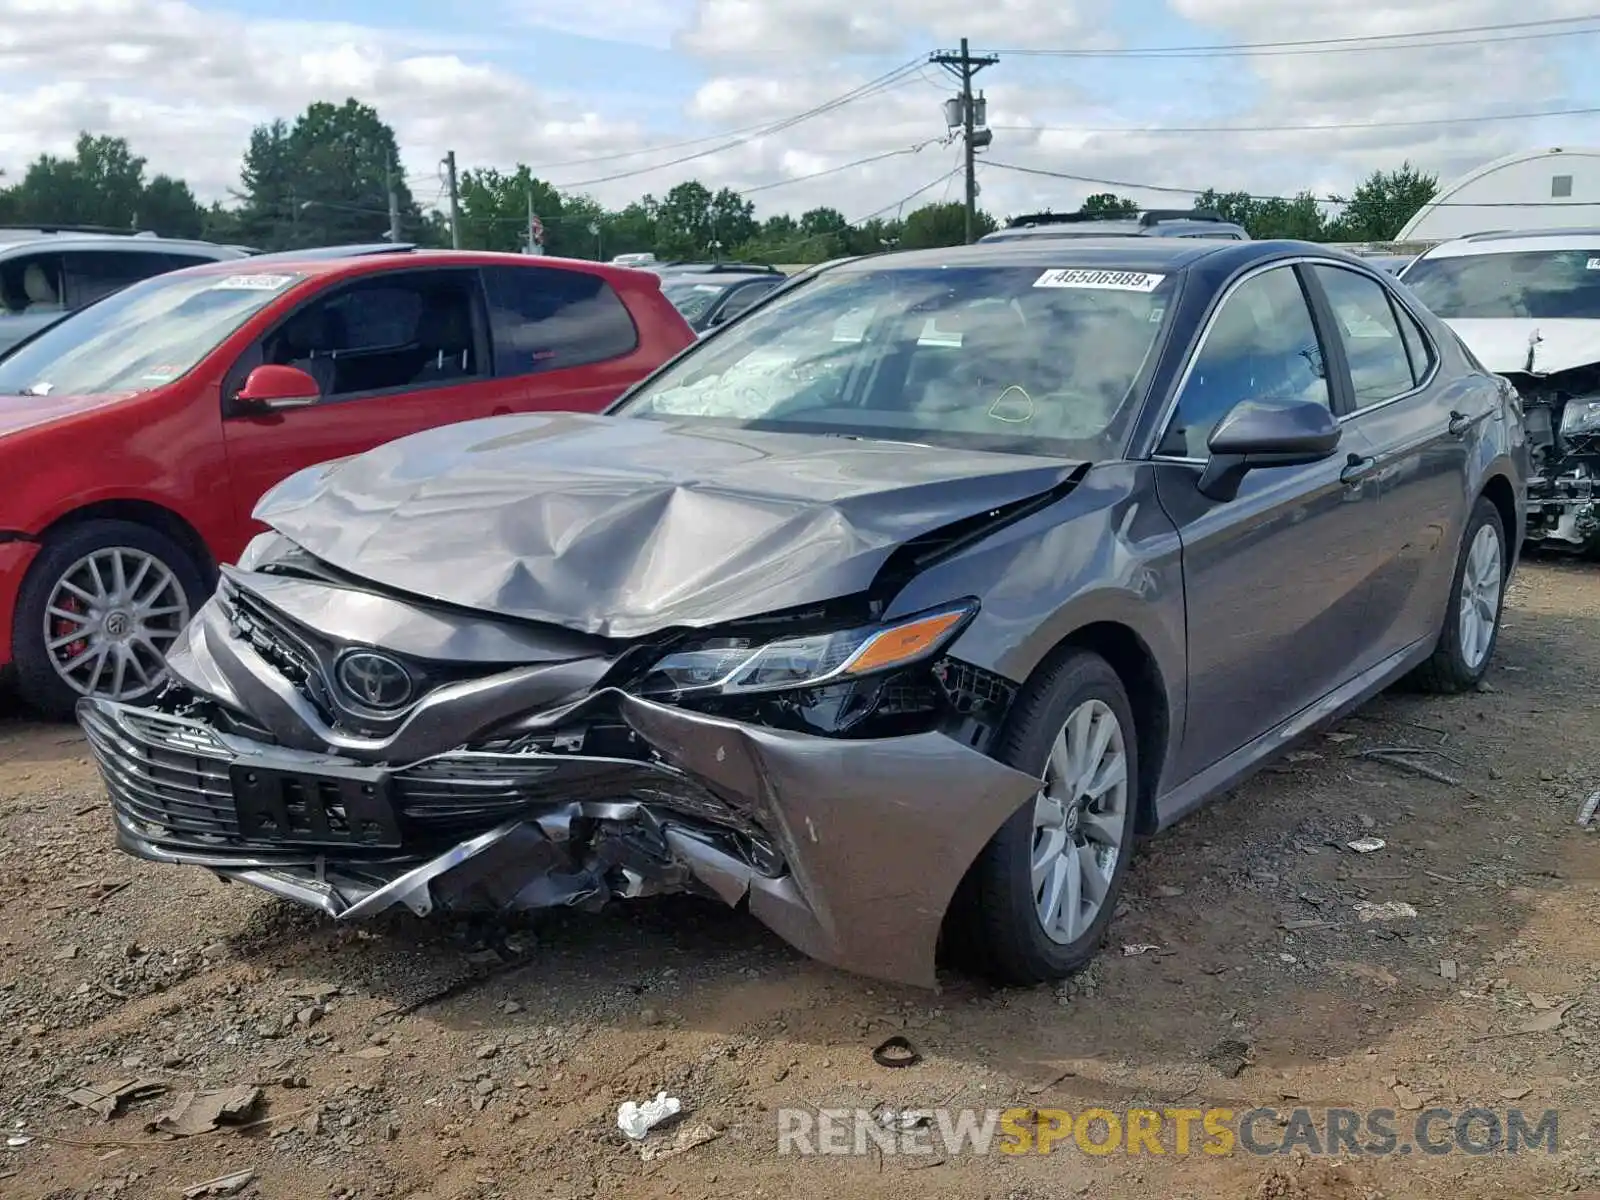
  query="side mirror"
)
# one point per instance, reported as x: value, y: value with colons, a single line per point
x: 1255, y: 435
x: 276, y: 386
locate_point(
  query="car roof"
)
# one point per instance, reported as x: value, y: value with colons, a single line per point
x: 361, y: 260
x: 1110, y: 253
x: 74, y: 239
x: 1514, y: 241
x: 725, y: 277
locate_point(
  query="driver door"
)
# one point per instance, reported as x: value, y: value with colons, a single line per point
x: 1278, y: 580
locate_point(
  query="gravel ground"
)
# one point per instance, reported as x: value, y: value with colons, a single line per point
x: 446, y: 1062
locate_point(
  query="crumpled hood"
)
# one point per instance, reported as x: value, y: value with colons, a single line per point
x: 25, y: 412
x: 1502, y: 343
x: 622, y: 526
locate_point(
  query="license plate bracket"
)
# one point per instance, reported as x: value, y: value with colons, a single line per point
x: 326, y: 806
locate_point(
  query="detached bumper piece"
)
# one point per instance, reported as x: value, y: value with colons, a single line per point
x: 849, y: 850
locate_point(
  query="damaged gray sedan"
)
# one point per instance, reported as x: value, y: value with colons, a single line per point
x: 893, y: 612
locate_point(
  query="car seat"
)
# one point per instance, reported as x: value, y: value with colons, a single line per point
x: 41, y: 292
x: 444, y: 333
x: 311, y: 341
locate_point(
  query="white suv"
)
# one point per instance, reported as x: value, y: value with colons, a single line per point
x: 48, y: 272
x: 1528, y: 307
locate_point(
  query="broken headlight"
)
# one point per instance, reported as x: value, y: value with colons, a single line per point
x: 731, y: 666
x: 1581, y: 416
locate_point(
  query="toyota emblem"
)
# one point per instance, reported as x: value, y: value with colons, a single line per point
x: 374, y: 680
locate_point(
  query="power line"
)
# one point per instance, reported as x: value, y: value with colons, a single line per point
x: 1378, y: 41
x: 903, y: 201
x: 1347, y: 125
x: 871, y: 87
x: 860, y: 162
x: 1194, y: 191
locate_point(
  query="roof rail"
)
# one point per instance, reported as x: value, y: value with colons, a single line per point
x: 97, y: 229
x: 314, y: 253
x: 729, y: 265
x: 1157, y: 215
x: 1145, y: 219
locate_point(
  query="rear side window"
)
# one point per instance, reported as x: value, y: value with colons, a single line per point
x: 1380, y: 361
x: 544, y: 319
x: 94, y: 274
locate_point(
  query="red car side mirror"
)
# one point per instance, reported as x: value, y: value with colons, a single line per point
x: 276, y: 386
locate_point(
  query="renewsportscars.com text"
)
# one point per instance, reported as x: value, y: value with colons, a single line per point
x: 1174, y: 1131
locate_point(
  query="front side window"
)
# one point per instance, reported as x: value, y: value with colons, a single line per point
x: 94, y: 274
x: 1380, y: 365
x: 31, y: 283
x: 546, y: 319
x: 1018, y: 359
x: 1542, y: 284
x: 1262, y: 346
x: 693, y: 300
x: 141, y: 337
x: 399, y: 329
x: 743, y: 299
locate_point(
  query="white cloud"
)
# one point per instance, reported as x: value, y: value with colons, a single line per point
x: 185, y: 83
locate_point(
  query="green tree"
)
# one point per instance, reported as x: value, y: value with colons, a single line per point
x: 102, y: 184
x: 494, y: 210
x: 935, y: 225
x: 169, y: 208
x: 1382, y: 205
x: 683, y: 221
x: 1299, y: 217
x: 733, y: 220
x: 633, y: 228
x: 324, y: 180
x: 1109, y: 204
x: 1237, y: 207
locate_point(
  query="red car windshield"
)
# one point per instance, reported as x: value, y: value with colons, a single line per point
x: 142, y: 337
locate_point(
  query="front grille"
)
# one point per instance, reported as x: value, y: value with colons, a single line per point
x: 170, y: 779
x: 165, y: 777
x: 278, y: 640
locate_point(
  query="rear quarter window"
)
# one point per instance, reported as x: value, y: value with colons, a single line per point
x: 546, y: 319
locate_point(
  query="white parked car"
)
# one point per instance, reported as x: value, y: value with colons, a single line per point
x: 633, y: 260
x: 1527, y: 305
x: 46, y: 273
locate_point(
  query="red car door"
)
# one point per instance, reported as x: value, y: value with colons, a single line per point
x: 392, y: 352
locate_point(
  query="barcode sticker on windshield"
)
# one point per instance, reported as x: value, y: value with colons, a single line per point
x: 1110, y: 281
x: 253, y: 283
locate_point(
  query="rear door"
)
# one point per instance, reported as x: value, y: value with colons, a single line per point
x: 394, y: 353
x: 561, y: 338
x: 1277, y: 581
x: 1416, y: 432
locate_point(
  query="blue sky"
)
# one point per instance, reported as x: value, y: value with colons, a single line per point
x: 542, y: 82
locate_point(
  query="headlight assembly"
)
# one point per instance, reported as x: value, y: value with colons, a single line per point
x: 738, y: 666
x: 1581, y: 415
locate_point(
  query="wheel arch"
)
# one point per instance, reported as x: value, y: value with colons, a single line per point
x: 1498, y: 491
x: 141, y: 512
x: 1136, y: 665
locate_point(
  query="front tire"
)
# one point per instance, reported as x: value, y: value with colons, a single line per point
x: 1471, y: 627
x: 1036, y: 905
x: 97, y: 612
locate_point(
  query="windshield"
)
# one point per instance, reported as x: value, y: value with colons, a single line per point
x: 1547, y: 284
x: 692, y: 299
x: 1003, y: 358
x: 139, y: 338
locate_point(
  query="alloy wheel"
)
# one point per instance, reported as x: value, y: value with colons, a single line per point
x: 1482, y: 579
x: 111, y: 618
x: 1078, y: 821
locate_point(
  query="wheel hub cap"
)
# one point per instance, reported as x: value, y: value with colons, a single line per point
x: 1078, y: 822
x: 110, y: 621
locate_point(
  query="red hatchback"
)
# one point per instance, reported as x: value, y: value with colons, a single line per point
x: 137, y: 435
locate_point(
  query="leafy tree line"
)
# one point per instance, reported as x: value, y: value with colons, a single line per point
x: 325, y: 179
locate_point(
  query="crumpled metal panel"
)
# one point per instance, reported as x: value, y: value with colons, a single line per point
x: 623, y: 526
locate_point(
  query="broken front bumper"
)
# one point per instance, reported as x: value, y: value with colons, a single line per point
x: 848, y: 849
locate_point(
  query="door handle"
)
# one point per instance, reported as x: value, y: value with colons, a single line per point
x: 1460, y: 423
x: 1356, y: 470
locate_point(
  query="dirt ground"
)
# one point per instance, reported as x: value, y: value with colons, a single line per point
x: 442, y: 1062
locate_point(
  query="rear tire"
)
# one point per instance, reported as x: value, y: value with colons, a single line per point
x: 73, y: 587
x: 1036, y: 904
x: 1471, y: 627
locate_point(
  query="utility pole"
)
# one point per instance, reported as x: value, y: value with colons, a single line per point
x: 394, y: 204
x: 455, y: 199
x: 964, y: 66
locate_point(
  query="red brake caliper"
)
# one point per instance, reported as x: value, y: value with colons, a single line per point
x: 61, y: 627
